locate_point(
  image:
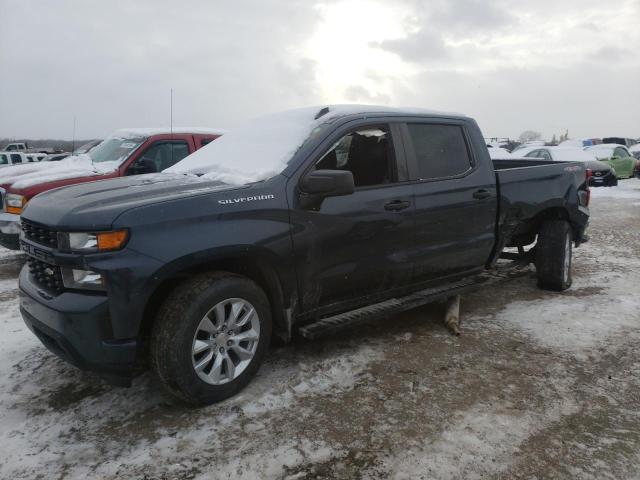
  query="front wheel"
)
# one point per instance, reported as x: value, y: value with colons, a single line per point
x: 553, y: 255
x: 210, y: 337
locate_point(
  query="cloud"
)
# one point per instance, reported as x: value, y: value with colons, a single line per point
x: 359, y: 94
x: 514, y: 65
x: 420, y: 46
x: 466, y: 15
x: 112, y: 64
x: 611, y: 53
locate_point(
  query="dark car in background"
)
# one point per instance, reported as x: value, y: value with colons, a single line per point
x: 627, y: 142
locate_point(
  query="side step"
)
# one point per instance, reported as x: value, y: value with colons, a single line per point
x: 392, y: 306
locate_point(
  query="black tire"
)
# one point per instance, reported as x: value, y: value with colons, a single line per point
x: 553, y: 268
x: 173, y: 334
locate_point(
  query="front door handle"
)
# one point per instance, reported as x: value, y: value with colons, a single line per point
x: 482, y: 194
x: 397, y: 205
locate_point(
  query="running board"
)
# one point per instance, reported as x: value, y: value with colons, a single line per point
x: 392, y: 306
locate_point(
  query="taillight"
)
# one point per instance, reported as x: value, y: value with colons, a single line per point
x: 587, y: 197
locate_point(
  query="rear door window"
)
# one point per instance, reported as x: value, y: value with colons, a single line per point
x: 440, y: 150
x: 205, y: 141
x: 16, y: 158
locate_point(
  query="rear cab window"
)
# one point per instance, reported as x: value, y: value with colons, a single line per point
x: 440, y: 150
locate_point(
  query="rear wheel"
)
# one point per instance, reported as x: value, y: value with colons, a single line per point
x: 554, y: 255
x: 210, y: 337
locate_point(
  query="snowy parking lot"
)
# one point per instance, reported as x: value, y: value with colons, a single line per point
x: 539, y: 385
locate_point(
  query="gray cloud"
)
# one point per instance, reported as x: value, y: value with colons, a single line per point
x: 513, y: 65
x: 417, y: 47
x: 466, y: 15
x: 113, y: 63
x: 611, y: 53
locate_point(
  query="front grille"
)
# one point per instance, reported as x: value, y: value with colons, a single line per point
x: 40, y: 234
x: 46, y: 275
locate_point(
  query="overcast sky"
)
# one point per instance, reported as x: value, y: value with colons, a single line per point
x: 513, y: 65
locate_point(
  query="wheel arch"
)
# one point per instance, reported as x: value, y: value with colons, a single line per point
x: 255, y: 264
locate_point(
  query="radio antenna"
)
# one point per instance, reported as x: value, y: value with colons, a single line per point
x: 171, y: 121
x: 73, y: 139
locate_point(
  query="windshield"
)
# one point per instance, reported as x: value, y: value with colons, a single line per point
x: 3, y: 160
x: 115, y: 149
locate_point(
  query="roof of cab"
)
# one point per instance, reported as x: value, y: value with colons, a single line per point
x: 342, y: 110
x: 147, y: 132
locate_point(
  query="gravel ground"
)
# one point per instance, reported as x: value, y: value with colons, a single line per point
x: 539, y: 385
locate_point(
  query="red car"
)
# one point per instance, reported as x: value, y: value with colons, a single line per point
x: 126, y: 152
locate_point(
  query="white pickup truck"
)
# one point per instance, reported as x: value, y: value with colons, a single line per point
x: 16, y: 147
x: 17, y: 158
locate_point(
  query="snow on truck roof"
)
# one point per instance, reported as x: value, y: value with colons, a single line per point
x: 147, y: 132
x: 262, y: 147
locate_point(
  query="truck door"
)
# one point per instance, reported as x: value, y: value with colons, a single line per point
x: 455, y: 198
x: 356, y: 245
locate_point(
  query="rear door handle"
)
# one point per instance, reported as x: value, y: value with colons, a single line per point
x: 482, y: 194
x: 397, y: 205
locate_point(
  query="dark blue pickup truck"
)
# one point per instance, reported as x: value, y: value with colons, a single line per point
x: 301, y: 222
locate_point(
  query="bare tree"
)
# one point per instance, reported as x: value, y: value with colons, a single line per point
x: 528, y: 136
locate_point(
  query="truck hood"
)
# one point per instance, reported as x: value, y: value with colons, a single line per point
x: 32, y: 176
x: 96, y: 205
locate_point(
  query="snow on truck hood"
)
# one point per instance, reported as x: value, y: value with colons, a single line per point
x: 262, y: 148
x: 23, y: 176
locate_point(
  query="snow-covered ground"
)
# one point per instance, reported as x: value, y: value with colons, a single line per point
x: 540, y: 385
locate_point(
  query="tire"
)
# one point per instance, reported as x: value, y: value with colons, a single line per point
x: 554, y: 255
x: 181, y: 330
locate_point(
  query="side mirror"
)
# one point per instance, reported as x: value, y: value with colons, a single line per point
x: 615, y: 157
x: 328, y: 183
x: 320, y: 184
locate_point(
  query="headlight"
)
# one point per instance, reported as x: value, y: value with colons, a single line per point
x: 92, y: 242
x: 84, y: 279
x: 82, y: 241
x: 15, y: 203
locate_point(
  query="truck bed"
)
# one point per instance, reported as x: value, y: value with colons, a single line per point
x: 527, y: 187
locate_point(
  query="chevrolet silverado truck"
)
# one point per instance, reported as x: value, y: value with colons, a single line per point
x: 299, y: 223
x: 126, y: 152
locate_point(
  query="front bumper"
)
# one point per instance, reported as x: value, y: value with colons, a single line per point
x: 10, y: 230
x: 77, y: 328
x: 607, y: 180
